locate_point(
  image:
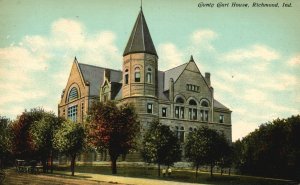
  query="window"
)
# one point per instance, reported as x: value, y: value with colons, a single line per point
x: 137, y: 74
x: 206, y: 115
x: 182, y: 112
x: 126, y: 76
x: 179, y: 100
x: 176, y: 112
x: 192, y: 114
x: 73, y: 94
x: 164, y: 112
x: 191, y: 129
x: 149, y: 75
x: 221, y: 118
x: 201, y: 115
x: 179, y: 112
x: 191, y: 87
x: 192, y: 102
x: 149, y: 108
x: 72, y: 113
x: 204, y: 103
x: 193, y: 111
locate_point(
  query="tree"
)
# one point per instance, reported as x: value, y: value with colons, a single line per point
x: 113, y: 128
x: 70, y: 140
x: 5, y: 137
x: 204, y: 147
x: 272, y: 150
x: 42, y: 132
x: 160, y: 146
x: 22, y: 143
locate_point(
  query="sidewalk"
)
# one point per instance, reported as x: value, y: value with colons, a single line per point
x: 131, y: 180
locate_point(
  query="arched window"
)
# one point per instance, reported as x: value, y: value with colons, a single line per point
x: 204, y: 103
x: 126, y: 79
x: 137, y: 74
x: 149, y: 75
x: 73, y: 94
x: 179, y: 100
x: 192, y: 102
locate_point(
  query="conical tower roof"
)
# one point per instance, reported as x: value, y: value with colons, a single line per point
x: 140, y: 39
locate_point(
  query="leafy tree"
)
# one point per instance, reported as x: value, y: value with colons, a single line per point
x: 160, y: 146
x: 272, y: 150
x: 22, y: 143
x: 70, y: 140
x: 227, y: 157
x: 42, y: 132
x: 4, y: 140
x: 113, y: 128
x: 205, y: 147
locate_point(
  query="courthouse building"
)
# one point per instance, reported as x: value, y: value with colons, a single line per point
x: 181, y: 97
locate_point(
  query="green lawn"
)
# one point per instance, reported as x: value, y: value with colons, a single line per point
x: 177, y: 175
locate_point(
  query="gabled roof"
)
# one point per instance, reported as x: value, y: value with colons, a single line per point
x: 140, y: 39
x: 173, y: 73
x: 94, y: 76
x: 219, y: 105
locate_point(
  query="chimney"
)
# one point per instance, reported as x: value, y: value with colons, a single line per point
x: 171, y: 89
x: 207, y: 79
x: 107, y: 74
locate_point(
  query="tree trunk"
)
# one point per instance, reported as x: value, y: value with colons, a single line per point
x: 211, y: 170
x: 51, y: 162
x: 158, y: 169
x: 197, y: 167
x: 44, y: 163
x: 113, y: 163
x: 229, y: 171
x: 73, y: 157
x: 221, y: 170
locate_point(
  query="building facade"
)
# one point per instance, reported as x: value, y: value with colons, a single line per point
x: 181, y: 97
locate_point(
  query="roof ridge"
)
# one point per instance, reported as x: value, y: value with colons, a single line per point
x: 177, y: 66
x: 99, y: 67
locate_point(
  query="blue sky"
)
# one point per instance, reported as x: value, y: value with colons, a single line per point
x: 253, y: 54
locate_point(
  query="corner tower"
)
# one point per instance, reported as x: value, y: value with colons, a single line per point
x: 140, y: 69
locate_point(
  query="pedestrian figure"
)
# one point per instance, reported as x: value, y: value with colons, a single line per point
x: 164, y: 172
x: 169, y: 172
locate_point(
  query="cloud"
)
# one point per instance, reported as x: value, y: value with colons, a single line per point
x: 171, y: 56
x: 294, y: 61
x: 202, y: 38
x: 257, y: 52
x: 34, y: 72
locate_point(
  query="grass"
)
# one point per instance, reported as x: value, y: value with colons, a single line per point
x: 179, y: 175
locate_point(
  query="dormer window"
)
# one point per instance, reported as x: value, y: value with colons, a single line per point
x: 137, y: 75
x: 73, y: 94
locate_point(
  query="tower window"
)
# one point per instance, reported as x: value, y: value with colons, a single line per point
x: 126, y: 76
x: 149, y: 108
x: 149, y: 75
x: 164, y: 112
x: 137, y: 75
x: 72, y: 113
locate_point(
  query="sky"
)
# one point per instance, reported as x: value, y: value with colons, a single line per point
x: 253, y: 54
